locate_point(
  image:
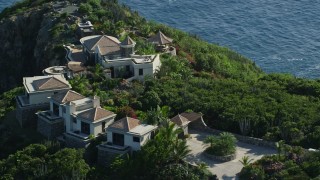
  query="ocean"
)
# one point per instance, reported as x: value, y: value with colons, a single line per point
x: 280, y: 36
x: 6, y: 3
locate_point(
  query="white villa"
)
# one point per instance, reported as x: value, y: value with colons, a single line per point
x: 51, y: 123
x: 38, y: 89
x: 118, y: 57
x: 124, y: 136
x: 75, y: 117
x: 86, y: 118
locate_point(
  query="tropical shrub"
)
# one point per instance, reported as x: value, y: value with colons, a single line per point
x: 224, y: 144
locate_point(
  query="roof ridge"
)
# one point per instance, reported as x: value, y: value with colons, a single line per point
x: 65, y: 95
x: 98, y: 41
x: 112, y: 39
x: 95, y: 113
x: 128, y: 122
x: 49, y: 78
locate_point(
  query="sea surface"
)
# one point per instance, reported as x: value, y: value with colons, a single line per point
x: 280, y: 36
x: 6, y: 3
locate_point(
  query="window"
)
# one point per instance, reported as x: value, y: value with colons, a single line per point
x: 55, y: 109
x: 55, y: 92
x: 152, y: 135
x: 85, y: 128
x: 140, y: 72
x: 136, y: 139
x: 118, y: 139
x: 127, y: 68
x: 74, y: 119
x: 103, y: 126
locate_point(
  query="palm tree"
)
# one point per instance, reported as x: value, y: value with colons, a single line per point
x: 211, y: 140
x: 280, y: 147
x: 172, y: 148
x: 245, y: 161
x: 202, y: 166
x: 228, y: 142
x: 180, y: 150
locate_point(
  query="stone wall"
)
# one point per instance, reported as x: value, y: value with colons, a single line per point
x: 50, y: 129
x: 75, y: 142
x: 220, y: 158
x: 26, y: 114
x: 198, y: 124
x: 245, y: 139
x: 106, y: 156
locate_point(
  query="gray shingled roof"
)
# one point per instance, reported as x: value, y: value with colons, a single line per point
x: 128, y: 41
x: 95, y: 114
x: 125, y: 124
x: 191, y: 116
x: 106, y: 44
x: 180, y: 120
x: 49, y: 83
x: 67, y: 96
x: 160, y: 39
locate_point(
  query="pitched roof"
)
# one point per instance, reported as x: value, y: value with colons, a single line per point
x: 49, y: 83
x: 180, y: 120
x: 95, y: 114
x: 76, y: 66
x: 160, y: 38
x: 125, y: 124
x: 67, y: 96
x: 191, y: 116
x: 106, y: 44
x: 128, y: 41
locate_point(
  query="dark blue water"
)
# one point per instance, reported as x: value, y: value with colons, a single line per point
x: 280, y: 36
x: 6, y: 3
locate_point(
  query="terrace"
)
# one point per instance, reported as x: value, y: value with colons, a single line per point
x: 49, y: 116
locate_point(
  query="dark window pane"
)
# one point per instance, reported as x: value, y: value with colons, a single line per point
x: 136, y: 139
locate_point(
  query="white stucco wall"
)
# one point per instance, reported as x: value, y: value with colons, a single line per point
x: 156, y: 63
x: 40, y: 97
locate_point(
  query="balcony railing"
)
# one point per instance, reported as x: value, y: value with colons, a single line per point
x: 48, y: 115
x: 79, y: 135
x: 109, y: 145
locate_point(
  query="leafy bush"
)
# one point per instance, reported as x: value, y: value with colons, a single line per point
x: 222, y: 145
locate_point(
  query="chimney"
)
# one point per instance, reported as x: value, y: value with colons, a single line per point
x: 71, y: 108
x: 96, y: 101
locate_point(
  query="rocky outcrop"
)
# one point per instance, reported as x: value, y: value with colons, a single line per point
x: 26, y: 46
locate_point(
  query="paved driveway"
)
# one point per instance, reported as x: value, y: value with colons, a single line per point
x: 226, y: 170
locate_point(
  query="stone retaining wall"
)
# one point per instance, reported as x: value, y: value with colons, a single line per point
x: 26, y: 115
x: 50, y: 129
x: 220, y: 158
x: 75, y: 142
x: 106, y: 157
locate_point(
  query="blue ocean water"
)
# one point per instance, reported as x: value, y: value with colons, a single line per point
x: 280, y: 36
x: 6, y: 3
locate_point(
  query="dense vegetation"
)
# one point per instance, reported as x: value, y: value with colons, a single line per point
x: 290, y: 163
x: 232, y: 93
x: 161, y: 158
x: 222, y: 145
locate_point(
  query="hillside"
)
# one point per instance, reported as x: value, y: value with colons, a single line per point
x: 229, y: 89
x: 225, y: 86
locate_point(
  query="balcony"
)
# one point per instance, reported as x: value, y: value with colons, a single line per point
x: 23, y: 100
x: 79, y: 135
x: 49, y: 116
x: 108, y: 146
